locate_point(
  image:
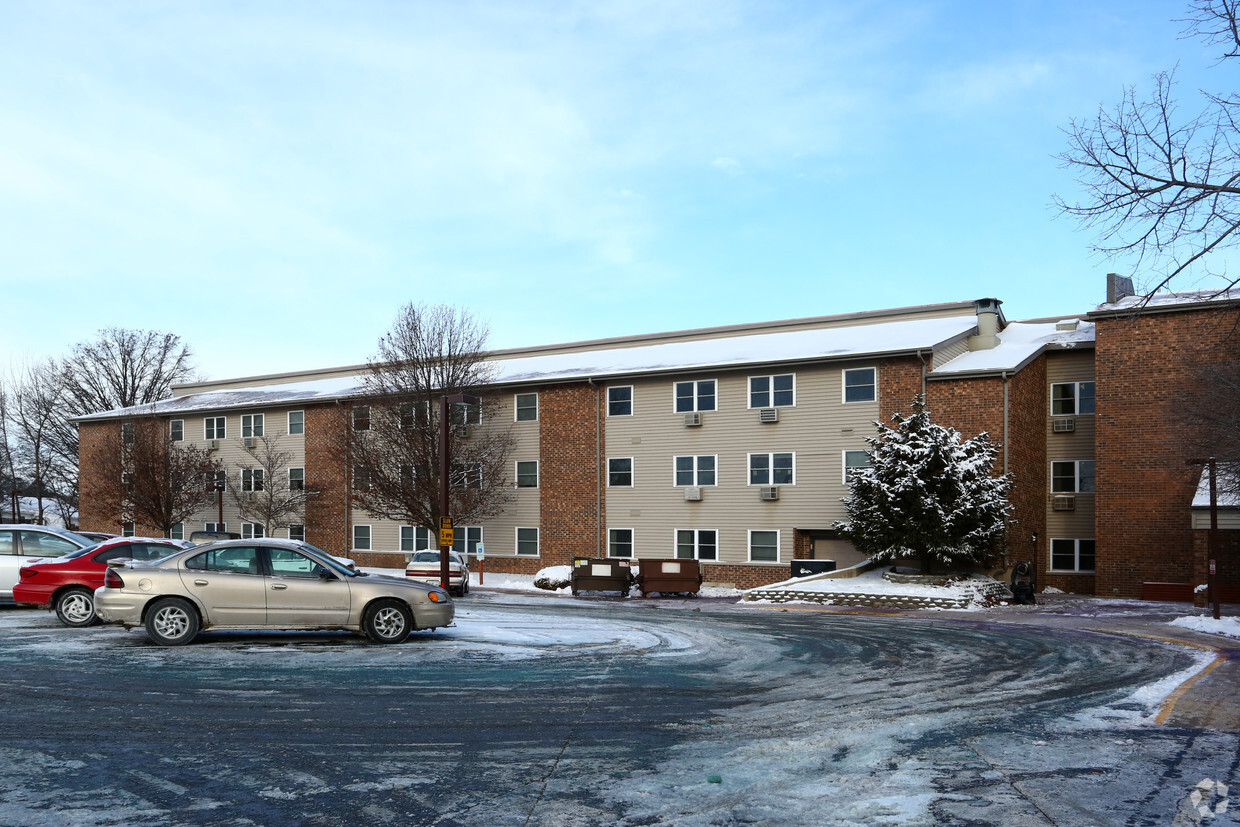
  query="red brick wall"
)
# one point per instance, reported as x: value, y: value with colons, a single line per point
x: 1145, y: 370
x: 92, y: 515
x: 1227, y: 570
x: 569, y: 466
x: 899, y: 381
x: 328, y: 513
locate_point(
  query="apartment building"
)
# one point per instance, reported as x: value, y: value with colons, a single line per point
x: 730, y: 445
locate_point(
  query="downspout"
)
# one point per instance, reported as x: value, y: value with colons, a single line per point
x: 924, y: 371
x: 1006, y: 418
x: 598, y: 474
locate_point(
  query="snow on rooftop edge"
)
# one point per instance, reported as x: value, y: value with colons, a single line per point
x: 1017, y: 343
x: 1170, y: 299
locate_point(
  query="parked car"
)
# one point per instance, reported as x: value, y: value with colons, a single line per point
x: 263, y: 584
x: 19, y: 543
x: 424, y: 566
x: 67, y: 584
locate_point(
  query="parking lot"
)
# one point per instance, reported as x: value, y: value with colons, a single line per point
x: 535, y: 710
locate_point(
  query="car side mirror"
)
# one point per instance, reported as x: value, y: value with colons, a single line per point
x: 326, y: 573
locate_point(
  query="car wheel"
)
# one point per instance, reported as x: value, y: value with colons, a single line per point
x: 172, y: 622
x: 388, y: 621
x: 76, y: 607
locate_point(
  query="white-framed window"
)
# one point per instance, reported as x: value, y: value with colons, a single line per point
x: 414, y: 538
x: 176, y: 430
x: 251, y: 531
x: 296, y: 422
x: 462, y: 415
x: 619, y: 472
x: 1072, y: 555
x: 213, y: 427
x: 527, y: 541
x: 251, y: 479
x: 297, y: 479
x: 763, y: 546
x: 856, y: 459
x: 619, y: 542
x: 127, y: 481
x: 361, y: 478
x: 127, y: 433
x: 526, y: 405
x: 177, y: 532
x: 527, y: 474
x: 252, y: 425
x: 772, y: 469
x: 698, y: 395
x: 361, y: 418
x: 777, y: 391
x: 127, y: 530
x: 215, y: 527
x: 1072, y: 398
x: 620, y: 400
x: 860, y: 384
x: 361, y: 537
x: 297, y: 532
x: 694, y: 470
x: 697, y: 544
x: 466, y: 475
x: 1072, y: 476
x: 414, y: 414
x: 466, y: 539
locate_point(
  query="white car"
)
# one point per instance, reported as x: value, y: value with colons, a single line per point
x: 424, y: 566
x: 19, y: 543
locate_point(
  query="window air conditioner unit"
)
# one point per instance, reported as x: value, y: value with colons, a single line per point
x: 462, y: 432
x: 1064, y: 426
x: 693, y: 420
x: 768, y: 493
x: 212, y: 444
x: 248, y: 442
x: 1062, y: 503
x: 768, y: 415
x: 693, y: 494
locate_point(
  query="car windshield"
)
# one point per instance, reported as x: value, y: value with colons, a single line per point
x: 81, y: 552
x: 426, y: 557
x: 330, y: 561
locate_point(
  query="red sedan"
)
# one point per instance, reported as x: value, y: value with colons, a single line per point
x: 67, y: 584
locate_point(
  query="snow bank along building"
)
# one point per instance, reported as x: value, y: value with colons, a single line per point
x: 730, y: 444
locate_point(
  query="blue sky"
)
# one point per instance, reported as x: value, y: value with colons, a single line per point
x: 272, y: 181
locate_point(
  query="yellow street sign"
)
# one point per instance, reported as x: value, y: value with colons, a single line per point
x: 445, y: 523
x: 445, y: 537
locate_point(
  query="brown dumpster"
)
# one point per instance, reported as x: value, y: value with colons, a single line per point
x: 669, y: 576
x: 602, y: 574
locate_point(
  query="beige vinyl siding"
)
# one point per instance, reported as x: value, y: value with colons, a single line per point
x: 818, y: 429
x: 946, y: 354
x: 1073, y: 366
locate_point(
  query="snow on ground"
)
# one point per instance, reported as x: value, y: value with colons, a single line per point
x: 872, y: 583
x: 1229, y: 626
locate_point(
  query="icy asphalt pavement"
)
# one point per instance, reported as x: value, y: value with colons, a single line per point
x: 560, y: 711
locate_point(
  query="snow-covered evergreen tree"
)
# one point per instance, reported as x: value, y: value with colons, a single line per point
x: 928, y: 494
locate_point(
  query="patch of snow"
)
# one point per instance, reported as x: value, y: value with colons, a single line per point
x: 1229, y: 626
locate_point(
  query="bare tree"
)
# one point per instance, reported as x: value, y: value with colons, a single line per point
x: 1210, y: 420
x: 392, y: 436
x: 32, y: 410
x: 265, y: 492
x: 11, y: 484
x: 1162, y: 186
x: 147, y: 478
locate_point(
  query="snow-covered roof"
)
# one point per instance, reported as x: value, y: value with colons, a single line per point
x: 1228, y: 493
x: 1018, y: 343
x: 842, y: 342
x: 1167, y: 300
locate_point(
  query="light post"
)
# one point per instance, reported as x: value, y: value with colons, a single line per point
x: 219, y: 498
x: 1212, y: 538
x: 446, y: 532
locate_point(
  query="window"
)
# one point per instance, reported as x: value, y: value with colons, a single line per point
x: 466, y: 539
x: 1072, y: 555
x: 361, y: 537
x: 251, y: 479
x: 461, y: 415
x: 288, y: 563
x: 466, y: 475
x: 860, y: 385
x: 772, y: 391
x: 1072, y: 477
x: 527, y: 407
x: 361, y: 418
x: 297, y: 532
x: 177, y: 532
x: 215, y: 527
x: 407, y: 477
x: 1072, y: 398
x: 619, y: 472
x: 297, y: 479
x: 127, y: 481
x: 361, y: 478
x: 695, y: 396
x: 176, y: 430
x: 213, y: 427
x: 620, y: 542
x: 620, y: 401
x: 764, y: 546
x: 127, y: 435
x: 772, y: 469
x: 127, y: 530
x: 231, y: 560
x: 251, y: 425
x: 695, y: 470
x: 414, y: 538
x: 249, y: 531
x: 527, y: 541
x: 296, y: 422
x: 855, y: 459
x: 697, y: 544
x: 527, y: 474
